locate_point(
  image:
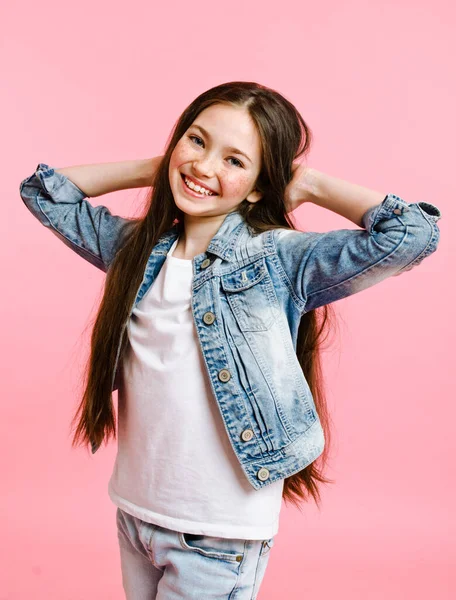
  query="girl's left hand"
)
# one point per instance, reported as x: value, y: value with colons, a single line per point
x: 301, y: 187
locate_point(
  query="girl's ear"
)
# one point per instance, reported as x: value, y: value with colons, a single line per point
x: 254, y: 196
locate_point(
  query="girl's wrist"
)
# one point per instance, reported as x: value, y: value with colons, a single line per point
x: 147, y: 169
x: 309, y: 185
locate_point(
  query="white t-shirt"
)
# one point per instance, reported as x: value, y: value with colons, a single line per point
x: 175, y: 465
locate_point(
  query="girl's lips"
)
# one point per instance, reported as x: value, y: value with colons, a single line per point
x: 190, y: 192
x: 183, y: 175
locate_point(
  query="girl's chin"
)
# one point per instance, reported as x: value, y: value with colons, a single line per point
x: 194, y: 210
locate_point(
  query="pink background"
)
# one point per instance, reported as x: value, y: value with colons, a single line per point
x: 96, y: 82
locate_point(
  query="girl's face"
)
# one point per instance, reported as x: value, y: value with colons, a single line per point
x: 221, y: 150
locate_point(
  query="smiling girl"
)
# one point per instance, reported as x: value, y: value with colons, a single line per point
x: 210, y: 328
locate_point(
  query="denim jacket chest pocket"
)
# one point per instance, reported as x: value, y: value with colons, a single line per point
x: 250, y: 295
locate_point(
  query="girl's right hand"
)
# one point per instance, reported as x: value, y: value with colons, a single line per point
x: 301, y: 187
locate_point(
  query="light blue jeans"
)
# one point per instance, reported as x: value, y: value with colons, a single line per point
x: 162, y: 564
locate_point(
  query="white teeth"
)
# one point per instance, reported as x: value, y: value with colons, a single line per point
x: 197, y: 188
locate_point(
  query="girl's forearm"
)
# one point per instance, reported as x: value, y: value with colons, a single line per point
x: 342, y: 197
x: 102, y: 178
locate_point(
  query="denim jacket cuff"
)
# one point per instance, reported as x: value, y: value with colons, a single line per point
x: 57, y: 185
x: 394, y: 205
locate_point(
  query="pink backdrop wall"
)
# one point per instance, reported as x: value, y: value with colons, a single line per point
x: 94, y: 82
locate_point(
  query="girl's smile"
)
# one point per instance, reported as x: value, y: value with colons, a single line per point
x: 194, y: 192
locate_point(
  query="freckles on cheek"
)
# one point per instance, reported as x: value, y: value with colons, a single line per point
x: 181, y: 154
x: 240, y: 186
x: 184, y: 154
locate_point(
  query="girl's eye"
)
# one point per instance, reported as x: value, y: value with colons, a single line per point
x: 196, y: 137
x: 239, y: 164
x: 238, y: 161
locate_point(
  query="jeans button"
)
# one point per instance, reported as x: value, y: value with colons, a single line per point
x: 209, y: 317
x: 263, y: 474
x: 246, y: 435
x: 224, y: 375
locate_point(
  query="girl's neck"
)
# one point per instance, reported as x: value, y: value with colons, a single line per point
x: 188, y: 250
x: 196, y: 236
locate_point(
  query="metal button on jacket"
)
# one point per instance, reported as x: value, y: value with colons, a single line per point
x: 206, y: 262
x: 209, y: 317
x: 246, y: 435
x: 224, y: 375
x: 397, y: 211
x: 263, y: 474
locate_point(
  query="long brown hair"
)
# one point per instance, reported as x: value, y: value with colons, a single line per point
x: 285, y: 136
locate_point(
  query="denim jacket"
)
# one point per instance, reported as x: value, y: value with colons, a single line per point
x: 249, y: 292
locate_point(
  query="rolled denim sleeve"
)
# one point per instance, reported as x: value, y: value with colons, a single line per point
x: 325, y: 267
x: 60, y: 205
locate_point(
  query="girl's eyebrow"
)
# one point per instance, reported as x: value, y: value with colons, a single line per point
x: 230, y: 149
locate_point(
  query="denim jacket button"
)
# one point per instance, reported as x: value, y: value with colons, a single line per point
x: 206, y: 262
x: 246, y: 435
x: 397, y: 211
x: 263, y: 474
x: 209, y: 317
x: 224, y: 375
